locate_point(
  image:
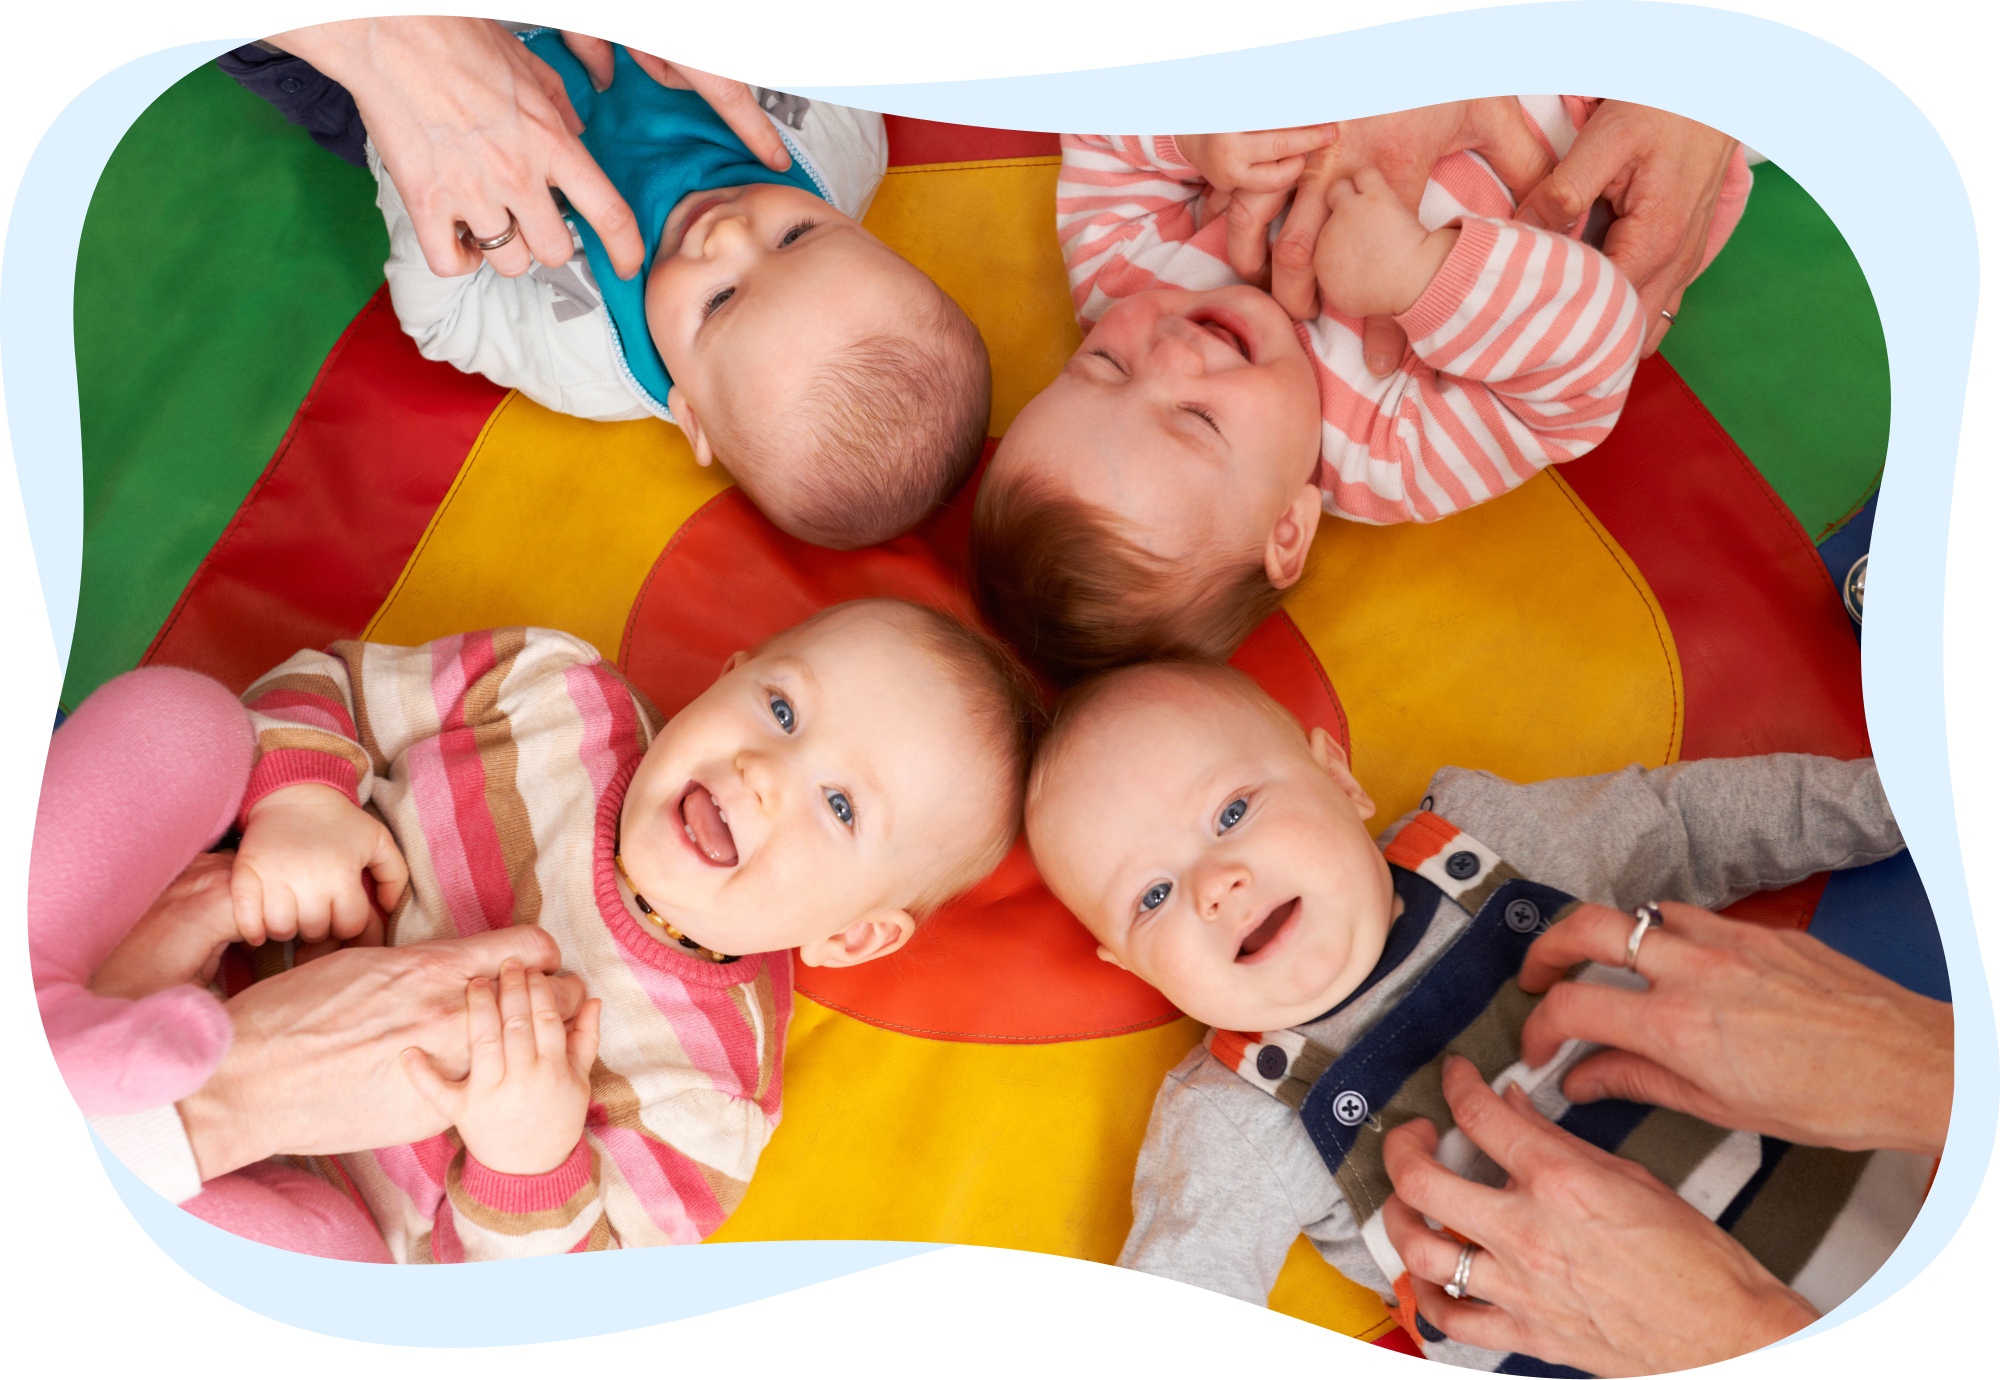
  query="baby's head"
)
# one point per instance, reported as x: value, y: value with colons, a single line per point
x: 1157, y: 499
x: 834, y: 786
x: 1212, y: 846
x: 847, y: 394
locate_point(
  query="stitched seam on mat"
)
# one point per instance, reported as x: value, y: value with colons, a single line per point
x: 458, y: 482
x: 976, y: 165
x: 1655, y: 611
x: 1787, y: 519
x: 632, y: 615
x: 374, y: 302
x: 967, y: 1037
x: 1326, y: 682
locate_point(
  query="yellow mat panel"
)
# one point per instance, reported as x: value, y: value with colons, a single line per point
x: 1516, y: 637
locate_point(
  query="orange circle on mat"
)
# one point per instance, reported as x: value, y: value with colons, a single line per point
x: 1005, y: 963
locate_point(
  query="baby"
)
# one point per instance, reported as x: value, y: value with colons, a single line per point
x: 1222, y: 854
x: 828, y: 791
x: 844, y: 391
x: 1160, y: 496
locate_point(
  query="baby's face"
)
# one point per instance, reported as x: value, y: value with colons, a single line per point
x: 752, y: 286
x: 812, y: 788
x: 1192, y: 415
x: 1215, y: 852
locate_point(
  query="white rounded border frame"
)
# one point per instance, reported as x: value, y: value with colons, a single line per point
x: 1813, y: 109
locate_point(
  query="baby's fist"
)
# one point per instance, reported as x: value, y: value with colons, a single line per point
x: 1374, y: 257
x: 299, y: 869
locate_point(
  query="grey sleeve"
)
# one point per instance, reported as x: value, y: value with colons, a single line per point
x: 1215, y: 1201
x: 1705, y: 832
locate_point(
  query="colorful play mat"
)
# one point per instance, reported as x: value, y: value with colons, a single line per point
x: 269, y: 464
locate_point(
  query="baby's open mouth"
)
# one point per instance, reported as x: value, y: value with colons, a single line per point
x: 1226, y: 330
x: 1255, y: 941
x: 707, y: 827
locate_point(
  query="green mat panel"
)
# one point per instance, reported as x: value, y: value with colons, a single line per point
x: 222, y: 255
x: 1781, y: 341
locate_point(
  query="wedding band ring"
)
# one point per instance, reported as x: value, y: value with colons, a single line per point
x: 1463, y: 1274
x: 1644, y: 918
x: 505, y: 237
x: 1669, y: 315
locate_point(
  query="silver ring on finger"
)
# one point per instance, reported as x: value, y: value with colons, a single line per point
x: 1669, y: 315
x: 505, y: 237
x: 1462, y: 1276
x: 1645, y: 918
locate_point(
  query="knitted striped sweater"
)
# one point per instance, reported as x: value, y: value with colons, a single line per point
x: 1521, y: 351
x: 499, y: 761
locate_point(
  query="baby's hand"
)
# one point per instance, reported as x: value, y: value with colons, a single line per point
x: 1250, y: 178
x: 179, y: 939
x: 1374, y: 258
x: 521, y: 1108
x: 298, y: 871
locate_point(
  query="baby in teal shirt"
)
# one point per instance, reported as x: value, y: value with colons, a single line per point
x: 846, y: 393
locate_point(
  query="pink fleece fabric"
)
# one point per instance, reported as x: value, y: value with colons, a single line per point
x: 146, y: 774
x: 291, y: 1210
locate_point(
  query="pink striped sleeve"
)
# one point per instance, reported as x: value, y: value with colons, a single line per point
x: 487, y: 1215
x: 1127, y: 217
x: 1521, y: 352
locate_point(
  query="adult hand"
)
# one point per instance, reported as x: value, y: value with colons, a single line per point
x: 1250, y: 177
x: 315, y: 1066
x: 1403, y: 147
x: 1751, y: 1028
x: 179, y: 939
x: 732, y: 100
x: 1662, y: 175
x: 475, y: 130
x: 1585, y: 1259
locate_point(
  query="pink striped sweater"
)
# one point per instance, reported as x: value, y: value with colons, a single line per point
x: 1520, y: 352
x: 499, y: 761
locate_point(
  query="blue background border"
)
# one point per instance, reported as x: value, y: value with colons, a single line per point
x: 1770, y: 84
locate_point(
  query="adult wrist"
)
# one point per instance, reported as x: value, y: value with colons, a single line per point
x: 217, y: 1132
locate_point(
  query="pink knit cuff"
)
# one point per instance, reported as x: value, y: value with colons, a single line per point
x: 1454, y: 281
x: 525, y: 1193
x: 283, y: 767
x: 1167, y: 148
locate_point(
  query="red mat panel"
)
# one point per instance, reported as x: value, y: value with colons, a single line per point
x: 317, y: 545
x: 1005, y: 963
x: 929, y: 141
x: 1768, y: 659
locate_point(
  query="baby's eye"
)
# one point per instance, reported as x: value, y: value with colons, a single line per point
x: 1105, y: 355
x: 1156, y: 895
x: 714, y: 303
x: 1205, y: 415
x: 781, y: 710
x: 1232, y: 815
x: 792, y: 235
x: 842, y: 807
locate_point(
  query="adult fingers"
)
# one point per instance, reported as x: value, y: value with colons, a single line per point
x: 1590, y: 931
x: 593, y: 197
x: 1383, y: 345
x: 246, y: 901
x: 511, y: 259
x: 583, y: 1038
x: 739, y: 110
x: 1425, y: 1253
x: 1663, y: 320
x: 1292, y: 280
x: 1509, y: 1139
x: 1250, y: 215
x: 445, y: 241
x: 1584, y: 1011
x: 481, y: 955
x: 1559, y: 200
x: 595, y: 55
x: 447, y: 1098
x: 1280, y: 175
x: 1635, y: 1078
x: 1475, y: 1324
x: 1409, y: 1154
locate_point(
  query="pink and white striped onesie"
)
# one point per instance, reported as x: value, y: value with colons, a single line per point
x: 499, y: 760
x: 1521, y: 351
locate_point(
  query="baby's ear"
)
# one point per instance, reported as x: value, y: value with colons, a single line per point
x: 1326, y: 750
x: 682, y: 407
x: 882, y: 933
x: 1291, y: 537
